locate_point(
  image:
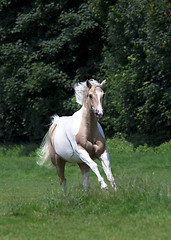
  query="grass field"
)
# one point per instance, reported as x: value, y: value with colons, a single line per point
x: 32, y: 205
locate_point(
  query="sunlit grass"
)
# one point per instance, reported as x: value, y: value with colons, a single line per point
x: 32, y: 205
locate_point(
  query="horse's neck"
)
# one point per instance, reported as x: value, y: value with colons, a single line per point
x: 89, y: 122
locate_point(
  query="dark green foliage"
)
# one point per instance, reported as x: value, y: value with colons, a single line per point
x: 45, y: 47
x: 138, y: 69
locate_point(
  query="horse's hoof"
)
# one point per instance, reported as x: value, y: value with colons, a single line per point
x: 104, y: 188
x: 113, y: 185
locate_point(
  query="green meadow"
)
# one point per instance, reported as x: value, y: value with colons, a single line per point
x: 32, y: 205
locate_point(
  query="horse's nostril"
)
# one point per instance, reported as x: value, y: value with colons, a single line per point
x: 99, y: 116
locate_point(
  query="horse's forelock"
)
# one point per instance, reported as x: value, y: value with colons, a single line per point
x: 81, y: 90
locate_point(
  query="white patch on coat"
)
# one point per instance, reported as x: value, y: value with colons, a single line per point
x: 99, y: 108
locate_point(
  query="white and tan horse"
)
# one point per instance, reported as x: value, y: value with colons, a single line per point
x: 79, y: 138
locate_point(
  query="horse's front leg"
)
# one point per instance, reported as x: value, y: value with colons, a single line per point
x: 85, y: 157
x: 105, y: 160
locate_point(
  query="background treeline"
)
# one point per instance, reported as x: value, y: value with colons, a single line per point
x: 48, y: 45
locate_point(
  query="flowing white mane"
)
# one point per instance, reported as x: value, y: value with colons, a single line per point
x: 81, y: 90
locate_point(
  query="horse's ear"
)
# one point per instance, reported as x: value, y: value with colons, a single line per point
x: 103, y: 84
x: 88, y: 84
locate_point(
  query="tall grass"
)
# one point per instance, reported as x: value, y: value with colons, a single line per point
x: 32, y: 205
x: 135, y: 195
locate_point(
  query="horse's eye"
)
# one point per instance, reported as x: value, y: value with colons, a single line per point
x: 90, y: 96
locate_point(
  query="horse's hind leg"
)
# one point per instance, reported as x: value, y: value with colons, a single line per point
x: 58, y: 162
x: 85, y: 170
x: 60, y: 168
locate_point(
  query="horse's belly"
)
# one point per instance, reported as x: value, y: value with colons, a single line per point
x: 74, y: 159
x: 67, y: 154
x: 63, y: 146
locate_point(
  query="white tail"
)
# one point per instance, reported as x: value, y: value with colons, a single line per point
x: 44, y: 150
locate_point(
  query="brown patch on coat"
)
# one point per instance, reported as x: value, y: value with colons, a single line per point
x: 84, y: 168
x: 89, y: 137
x: 57, y: 160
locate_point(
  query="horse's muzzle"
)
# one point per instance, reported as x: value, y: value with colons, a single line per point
x: 99, y: 115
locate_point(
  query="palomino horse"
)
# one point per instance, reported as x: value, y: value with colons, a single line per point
x: 79, y: 138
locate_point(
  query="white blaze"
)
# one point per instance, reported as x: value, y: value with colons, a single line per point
x: 99, y: 108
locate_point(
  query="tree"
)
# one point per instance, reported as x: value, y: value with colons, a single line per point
x: 137, y: 66
x: 45, y: 47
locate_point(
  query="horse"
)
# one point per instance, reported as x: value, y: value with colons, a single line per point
x: 80, y: 138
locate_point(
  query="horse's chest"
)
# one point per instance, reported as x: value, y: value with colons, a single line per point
x: 96, y: 148
x: 90, y: 139
x: 94, y: 145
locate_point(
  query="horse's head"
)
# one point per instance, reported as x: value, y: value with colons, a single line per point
x: 95, y: 96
